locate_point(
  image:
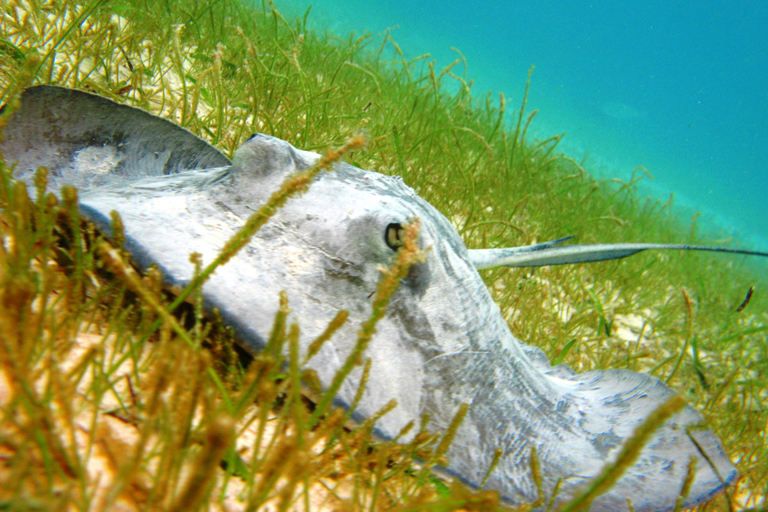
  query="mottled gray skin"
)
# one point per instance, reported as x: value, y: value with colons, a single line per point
x: 443, y: 341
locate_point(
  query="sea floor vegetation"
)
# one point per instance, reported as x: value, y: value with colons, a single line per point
x: 112, y: 397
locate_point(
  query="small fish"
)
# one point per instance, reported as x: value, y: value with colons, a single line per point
x: 443, y: 341
x: 746, y: 300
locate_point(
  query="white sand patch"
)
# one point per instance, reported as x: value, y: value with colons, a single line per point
x: 633, y: 328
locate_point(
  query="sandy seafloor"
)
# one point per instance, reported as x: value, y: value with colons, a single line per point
x: 677, y: 87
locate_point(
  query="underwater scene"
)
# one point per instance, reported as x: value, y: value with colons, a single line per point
x: 676, y: 88
x: 384, y: 256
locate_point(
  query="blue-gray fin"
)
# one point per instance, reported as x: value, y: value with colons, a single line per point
x: 541, y: 255
x: 88, y: 141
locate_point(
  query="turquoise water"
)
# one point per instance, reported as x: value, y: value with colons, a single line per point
x: 680, y: 88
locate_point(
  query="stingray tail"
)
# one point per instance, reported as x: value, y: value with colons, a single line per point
x: 552, y: 253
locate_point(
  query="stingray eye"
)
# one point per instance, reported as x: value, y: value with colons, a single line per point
x: 394, y: 236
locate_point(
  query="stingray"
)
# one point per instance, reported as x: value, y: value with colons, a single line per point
x: 443, y: 341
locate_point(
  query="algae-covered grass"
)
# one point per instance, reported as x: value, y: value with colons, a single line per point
x: 105, y: 407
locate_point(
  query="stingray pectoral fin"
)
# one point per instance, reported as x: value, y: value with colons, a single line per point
x: 88, y: 141
x: 563, y: 255
x: 612, y: 404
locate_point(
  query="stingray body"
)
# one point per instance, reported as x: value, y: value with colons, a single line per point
x: 443, y: 341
